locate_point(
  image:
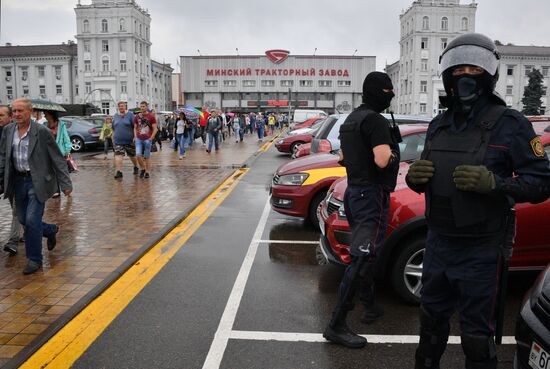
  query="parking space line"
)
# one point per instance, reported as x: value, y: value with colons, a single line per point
x: 289, y: 241
x: 219, y: 344
x: 318, y: 337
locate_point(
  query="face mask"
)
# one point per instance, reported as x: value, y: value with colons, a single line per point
x: 379, y: 101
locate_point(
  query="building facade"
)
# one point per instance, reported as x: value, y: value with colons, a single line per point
x: 41, y: 71
x: 275, y: 81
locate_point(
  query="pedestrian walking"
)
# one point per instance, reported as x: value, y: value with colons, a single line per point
x: 248, y: 127
x: 238, y: 128
x: 145, y: 131
x: 213, y: 128
x: 203, y: 120
x: 29, y: 159
x: 182, y: 133
x: 59, y: 130
x: 106, y: 136
x: 260, y: 127
x: 11, y: 245
x: 370, y: 149
x: 271, y: 124
x: 480, y: 158
x: 123, y: 138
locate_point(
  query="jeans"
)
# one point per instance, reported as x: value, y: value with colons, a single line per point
x: 191, y: 138
x: 106, y: 144
x: 181, y: 142
x: 29, y: 212
x: 213, y: 140
x: 143, y: 148
x: 238, y: 133
x: 260, y: 131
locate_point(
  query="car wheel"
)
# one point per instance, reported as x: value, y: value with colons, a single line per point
x: 77, y: 144
x: 313, y: 205
x: 406, y: 274
x: 294, y: 146
x: 320, y: 257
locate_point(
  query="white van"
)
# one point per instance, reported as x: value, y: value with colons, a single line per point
x: 301, y: 115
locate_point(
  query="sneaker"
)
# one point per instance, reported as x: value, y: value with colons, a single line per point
x: 52, y: 239
x: 31, y: 267
x: 203, y: 145
x: 146, y: 175
x: 371, y: 313
x: 142, y: 173
x: 181, y: 157
x: 208, y: 151
x: 342, y: 335
x: 184, y: 155
x: 136, y: 170
x: 10, y: 248
x: 118, y: 174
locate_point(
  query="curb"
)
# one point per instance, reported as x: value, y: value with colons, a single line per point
x: 56, y: 326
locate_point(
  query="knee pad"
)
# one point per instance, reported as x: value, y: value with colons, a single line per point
x: 434, y: 334
x: 479, y: 349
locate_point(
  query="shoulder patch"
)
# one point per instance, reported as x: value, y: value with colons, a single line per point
x: 537, y: 147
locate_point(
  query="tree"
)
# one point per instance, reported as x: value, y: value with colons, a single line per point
x: 532, y: 95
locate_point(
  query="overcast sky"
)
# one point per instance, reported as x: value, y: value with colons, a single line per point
x: 180, y: 27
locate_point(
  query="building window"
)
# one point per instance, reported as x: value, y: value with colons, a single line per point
x: 545, y: 71
x: 41, y: 71
x: 140, y: 49
x: 76, y: 89
x: 105, y: 107
x: 510, y: 70
x: 85, y: 26
x: 86, y: 46
x: 268, y: 83
x: 528, y: 69
x: 424, y: 43
x: 24, y: 73
x: 135, y: 47
x: 9, y: 92
x: 210, y: 83
x: 424, y: 65
x: 105, y: 64
x: 424, y: 86
x: 464, y: 24
x: 444, y: 23
x: 123, y: 87
x: 76, y: 70
x: 325, y: 83
x: 123, y: 65
x: 147, y: 32
x: 25, y: 90
x: 42, y: 90
x: 249, y: 83
x: 287, y: 83
x: 140, y: 30
x: 509, y: 90
x: 57, y: 69
x: 422, y: 108
x: 87, y: 66
x: 59, y: 89
x: 306, y: 83
x: 122, y: 25
x: 123, y: 45
x: 88, y: 87
x: 104, y: 26
x: 426, y: 23
x: 344, y: 83
x: 443, y: 43
x: 105, y: 46
x: 230, y: 83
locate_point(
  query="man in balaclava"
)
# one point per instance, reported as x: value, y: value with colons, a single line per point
x: 479, y: 159
x: 370, y: 150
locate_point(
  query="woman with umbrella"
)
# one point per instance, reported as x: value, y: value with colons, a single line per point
x: 59, y: 130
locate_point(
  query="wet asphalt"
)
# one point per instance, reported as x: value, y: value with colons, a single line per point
x: 172, y: 322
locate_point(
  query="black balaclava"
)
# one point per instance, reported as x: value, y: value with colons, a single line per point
x: 373, y: 94
x: 466, y: 89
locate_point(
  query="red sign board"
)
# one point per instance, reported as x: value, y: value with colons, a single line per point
x: 277, y: 56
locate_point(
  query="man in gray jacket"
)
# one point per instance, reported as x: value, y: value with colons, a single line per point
x: 31, y: 166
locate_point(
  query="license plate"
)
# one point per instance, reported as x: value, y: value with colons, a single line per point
x: 539, y: 358
x: 321, y: 222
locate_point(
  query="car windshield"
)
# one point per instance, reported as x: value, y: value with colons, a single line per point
x: 326, y: 126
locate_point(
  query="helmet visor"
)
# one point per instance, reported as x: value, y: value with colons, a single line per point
x: 469, y: 55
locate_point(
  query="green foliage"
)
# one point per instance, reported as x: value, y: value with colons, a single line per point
x: 532, y: 95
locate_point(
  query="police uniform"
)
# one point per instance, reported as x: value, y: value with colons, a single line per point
x: 467, y: 221
x: 366, y: 201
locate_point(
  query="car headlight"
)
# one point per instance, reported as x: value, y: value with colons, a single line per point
x: 293, y: 179
x: 536, y: 290
x: 280, y: 142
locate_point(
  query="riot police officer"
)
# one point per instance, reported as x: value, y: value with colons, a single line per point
x: 466, y: 170
x: 369, y: 145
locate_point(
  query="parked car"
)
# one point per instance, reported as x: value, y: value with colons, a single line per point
x: 300, y: 185
x: 541, y: 124
x: 307, y: 123
x: 326, y: 140
x: 295, y: 138
x: 301, y: 115
x: 533, y: 326
x: 403, y: 252
x: 302, y: 150
x: 83, y: 133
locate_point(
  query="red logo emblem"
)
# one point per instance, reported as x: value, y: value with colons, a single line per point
x: 277, y: 56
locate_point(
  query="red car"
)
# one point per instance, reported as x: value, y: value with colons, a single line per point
x: 402, y: 255
x: 302, y: 150
x: 300, y: 185
x: 296, y: 137
x: 307, y: 123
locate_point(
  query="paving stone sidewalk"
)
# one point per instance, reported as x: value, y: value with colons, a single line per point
x: 101, y: 225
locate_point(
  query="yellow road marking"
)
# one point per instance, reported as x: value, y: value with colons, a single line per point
x: 315, y: 175
x: 268, y: 144
x: 67, y: 345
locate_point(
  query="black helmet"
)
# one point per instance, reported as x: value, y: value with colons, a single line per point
x: 471, y: 49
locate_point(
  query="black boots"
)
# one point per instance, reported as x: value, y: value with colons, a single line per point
x: 372, y: 313
x: 341, y: 334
